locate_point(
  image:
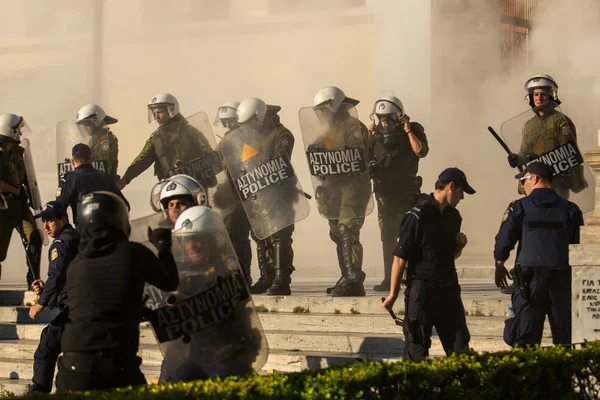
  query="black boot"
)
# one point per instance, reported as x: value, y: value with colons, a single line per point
x: 341, y: 264
x: 283, y: 257
x: 352, y: 284
x: 267, y: 273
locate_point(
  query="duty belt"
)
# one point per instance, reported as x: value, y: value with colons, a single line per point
x: 438, y: 282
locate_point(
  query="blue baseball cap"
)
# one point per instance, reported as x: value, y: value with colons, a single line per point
x: 52, y: 209
x: 458, y: 177
x: 81, y: 150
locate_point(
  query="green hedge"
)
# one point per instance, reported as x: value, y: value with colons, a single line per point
x: 552, y: 373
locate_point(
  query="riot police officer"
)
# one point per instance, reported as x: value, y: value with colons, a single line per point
x: 430, y: 242
x: 275, y: 278
x: 15, y: 196
x: 544, y: 224
x: 349, y: 201
x: 52, y: 293
x: 396, y: 145
x: 230, y: 341
x: 84, y: 179
x: 546, y: 130
x: 236, y: 222
x: 105, y: 284
x: 93, y: 123
x: 178, y: 193
x: 174, y: 143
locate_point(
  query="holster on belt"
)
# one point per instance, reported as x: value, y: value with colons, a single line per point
x: 522, y: 281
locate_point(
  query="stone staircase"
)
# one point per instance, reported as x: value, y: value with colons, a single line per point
x: 305, y: 330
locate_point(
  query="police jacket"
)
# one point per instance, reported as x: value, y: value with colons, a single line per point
x: 544, y: 224
x: 427, y: 240
x: 105, y: 283
x: 171, y: 144
x: 396, y: 164
x: 62, y: 251
x: 81, y: 181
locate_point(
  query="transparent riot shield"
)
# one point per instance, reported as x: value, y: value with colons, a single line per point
x: 68, y: 134
x: 336, y: 151
x: 545, y: 134
x: 208, y: 327
x: 33, y: 188
x: 205, y: 165
x: 264, y: 178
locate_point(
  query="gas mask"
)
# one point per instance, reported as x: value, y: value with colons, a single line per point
x: 388, y: 129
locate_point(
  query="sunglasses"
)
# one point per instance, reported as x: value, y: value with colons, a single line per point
x: 523, y: 179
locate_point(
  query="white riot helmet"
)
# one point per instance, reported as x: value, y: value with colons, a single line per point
x: 332, y: 97
x: 177, y: 185
x: 196, y: 220
x: 12, y: 126
x: 95, y: 114
x: 163, y: 100
x: 202, y: 224
x: 541, y: 81
x: 251, y: 108
x: 388, y: 105
x: 226, y: 111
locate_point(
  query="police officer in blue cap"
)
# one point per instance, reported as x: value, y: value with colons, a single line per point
x: 52, y: 293
x: 84, y: 179
x: 430, y: 241
x: 544, y: 224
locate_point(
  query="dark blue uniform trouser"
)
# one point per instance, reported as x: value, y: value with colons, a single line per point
x: 47, y: 352
x: 428, y: 305
x: 550, y: 296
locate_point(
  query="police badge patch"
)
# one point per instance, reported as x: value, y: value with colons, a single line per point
x: 58, y: 192
x: 105, y: 146
x: 54, y: 254
x: 506, y: 214
x: 565, y: 129
x: 171, y: 187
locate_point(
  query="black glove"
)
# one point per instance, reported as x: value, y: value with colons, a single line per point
x: 374, y: 169
x: 513, y: 160
x: 160, y: 238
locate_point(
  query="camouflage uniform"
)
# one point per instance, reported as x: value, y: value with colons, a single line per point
x: 16, y: 214
x: 168, y: 147
x: 546, y: 133
x: 349, y: 205
x: 394, y: 173
x: 105, y: 147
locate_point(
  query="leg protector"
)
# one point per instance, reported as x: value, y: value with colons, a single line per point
x: 267, y: 273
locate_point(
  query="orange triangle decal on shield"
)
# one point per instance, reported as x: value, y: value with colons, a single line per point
x: 248, y: 152
x: 328, y: 142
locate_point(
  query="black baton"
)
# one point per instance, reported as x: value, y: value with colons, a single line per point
x: 397, y: 320
x: 504, y: 146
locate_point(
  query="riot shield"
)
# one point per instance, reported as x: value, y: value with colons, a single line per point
x: 68, y: 134
x: 545, y: 134
x: 264, y: 178
x: 337, y: 159
x: 208, y: 327
x: 207, y: 166
x: 33, y: 188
